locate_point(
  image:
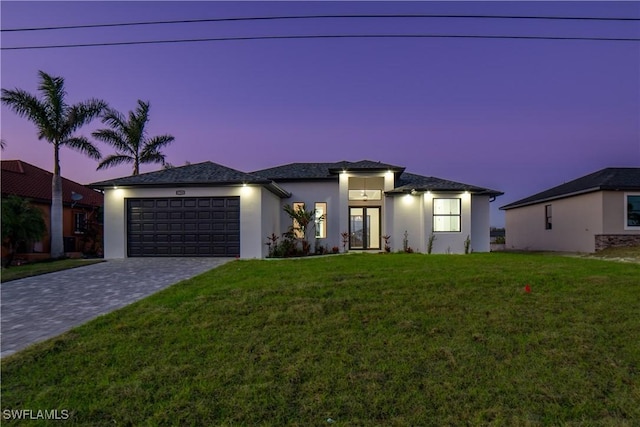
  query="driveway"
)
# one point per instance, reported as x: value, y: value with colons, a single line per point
x: 41, y: 307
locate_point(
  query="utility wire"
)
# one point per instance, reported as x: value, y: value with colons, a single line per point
x: 327, y: 36
x: 267, y: 18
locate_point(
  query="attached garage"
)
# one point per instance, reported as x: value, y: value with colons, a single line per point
x: 197, y: 210
x: 189, y: 226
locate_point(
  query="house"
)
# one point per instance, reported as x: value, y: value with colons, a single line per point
x: 588, y: 214
x: 207, y: 209
x: 80, y: 205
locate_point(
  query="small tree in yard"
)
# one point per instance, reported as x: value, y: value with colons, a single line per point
x: 21, y: 223
x: 301, y: 219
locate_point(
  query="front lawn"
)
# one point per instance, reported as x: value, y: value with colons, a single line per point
x: 369, y: 340
x: 42, y: 267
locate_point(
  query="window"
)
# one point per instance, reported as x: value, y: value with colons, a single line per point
x: 320, y: 219
x: 297, y: 230
x: 547, y: 217
x: 365, y: 195
x: 446, y: 214
x: 79, y: 222
x: 632, y: 211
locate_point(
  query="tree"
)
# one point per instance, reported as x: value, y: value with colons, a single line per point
x: 129, y: 138
x: 56, y: 122
x: 301, y: 220
x: 21, y: 223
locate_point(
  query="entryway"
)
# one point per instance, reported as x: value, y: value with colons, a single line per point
x: 364, y: 228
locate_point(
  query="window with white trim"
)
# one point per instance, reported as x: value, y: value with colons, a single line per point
x: 320, y: 219
x: 632, y: 211
x: 447, y: 215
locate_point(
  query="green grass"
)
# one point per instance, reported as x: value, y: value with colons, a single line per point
x: 366, y: 340
x: 42, y: 267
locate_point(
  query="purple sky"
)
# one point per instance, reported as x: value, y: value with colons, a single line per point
x: 518, y: 116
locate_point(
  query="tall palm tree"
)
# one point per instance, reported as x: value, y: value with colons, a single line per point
x: 56, y: 122
x: 129, y: 138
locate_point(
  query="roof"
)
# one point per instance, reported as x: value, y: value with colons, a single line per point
x: 25, y: 180
x: 614, y: 179
x: 405, y: 182
x: 410, y: 182
x: 209, y: 173
x: 322, y: 171
x: 205, y: 173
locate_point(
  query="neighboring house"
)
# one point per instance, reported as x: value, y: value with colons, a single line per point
x: 587, y: 214
x: 207, y: 209
x: 80, y: 204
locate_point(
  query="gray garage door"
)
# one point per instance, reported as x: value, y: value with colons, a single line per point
x: 203, y: 226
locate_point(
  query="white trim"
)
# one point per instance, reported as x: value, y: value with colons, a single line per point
x: 625, y: 217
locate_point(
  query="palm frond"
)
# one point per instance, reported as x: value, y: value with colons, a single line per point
x: 28, y: 106
x: 114, y: 119
x: 114, y: 160
x: 152, y: 157
x: 113, y: 137
x: 52, y: 89
x: 82, y: 113
x: 82, y: 144
x: 157, y: 142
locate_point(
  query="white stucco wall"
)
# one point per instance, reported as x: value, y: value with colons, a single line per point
x: 414, y: 214
x: 408, y: 215
x: 575, y: 222
x: 311, y: 193
x: 480, y: 223
x: 252, y: 222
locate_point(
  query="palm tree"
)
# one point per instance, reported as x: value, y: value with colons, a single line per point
x: 130, y: 140
x: 56, y: 122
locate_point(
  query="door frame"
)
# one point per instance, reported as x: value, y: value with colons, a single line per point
x: 366, y: 245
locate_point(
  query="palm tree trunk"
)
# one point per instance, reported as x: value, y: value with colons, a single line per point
x: 55, y: 231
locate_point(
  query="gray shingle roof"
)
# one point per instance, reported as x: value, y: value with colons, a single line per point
x: 205, y: 173
x: 305, y: 171
x: 297, y: 171
x: 209, y: 173
x: 405, y: 182
x: 410, y: 181
x: 625, y: 179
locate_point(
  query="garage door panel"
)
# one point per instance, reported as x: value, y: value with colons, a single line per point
x: 184, y: 226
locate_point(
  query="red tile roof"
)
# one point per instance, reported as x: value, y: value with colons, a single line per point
x: 25, y: 180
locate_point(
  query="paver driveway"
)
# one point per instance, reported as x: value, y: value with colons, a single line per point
x: 40, y: 307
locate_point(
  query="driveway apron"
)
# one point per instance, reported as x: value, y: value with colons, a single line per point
x: 41, y: 307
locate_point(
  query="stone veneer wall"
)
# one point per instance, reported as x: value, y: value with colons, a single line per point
x: 604, y: 241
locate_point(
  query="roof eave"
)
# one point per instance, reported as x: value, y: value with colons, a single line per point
x: 520, y: 204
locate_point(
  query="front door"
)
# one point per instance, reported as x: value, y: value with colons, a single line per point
x: 364, y: 228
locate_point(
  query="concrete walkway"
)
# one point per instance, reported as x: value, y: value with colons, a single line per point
x: 41, y: 307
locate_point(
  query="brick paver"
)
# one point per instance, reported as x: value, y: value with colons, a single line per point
x: 40, y: 307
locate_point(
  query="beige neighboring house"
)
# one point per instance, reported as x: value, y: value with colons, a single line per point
x: 587, y: 214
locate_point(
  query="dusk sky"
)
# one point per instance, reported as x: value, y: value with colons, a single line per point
x: 514, y: 115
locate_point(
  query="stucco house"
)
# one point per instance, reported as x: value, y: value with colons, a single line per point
x: 588, y: 214
x: 80, y: 206
x: 207, y: 209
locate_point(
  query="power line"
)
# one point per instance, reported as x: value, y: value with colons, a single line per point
x: 267, y: 18
x: 321, y: 36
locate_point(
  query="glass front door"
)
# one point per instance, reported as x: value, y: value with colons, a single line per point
x: 364, y: 228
